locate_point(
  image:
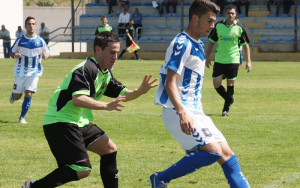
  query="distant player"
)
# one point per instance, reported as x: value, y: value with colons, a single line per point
x: 230, y: 35
x: 179, y: 93
x: 29, y: 51
x: 104, y: 26
x: 67, y: 123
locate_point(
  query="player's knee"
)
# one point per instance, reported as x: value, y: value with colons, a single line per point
x: 213, y: 148
x: 83, y: 174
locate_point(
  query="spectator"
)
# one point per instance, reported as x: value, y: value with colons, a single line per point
x: 160, y: 6
x: 123, y: 21
x: 243, y: 2
x: 277, y: 3
x: 20, y: 32
x: 287, y: 5
x: 110, y: 4
x: 5, y: 35
x: 129, y: 39
x: 231, y: 2
x: 221, y: 4
x: 172, y: 3
x: 124, y: 4
x: 104, y: 26
x: 137, y: 18
x: 44, y: 32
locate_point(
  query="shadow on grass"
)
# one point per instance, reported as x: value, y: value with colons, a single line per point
x: 5, y: 121
x: 214, y: 115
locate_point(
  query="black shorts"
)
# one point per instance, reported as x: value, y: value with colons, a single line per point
x: 229, y: 71
x: 69, y: 143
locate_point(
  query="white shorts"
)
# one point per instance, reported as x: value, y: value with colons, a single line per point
x: 21, y: 84
x: 205, y: 130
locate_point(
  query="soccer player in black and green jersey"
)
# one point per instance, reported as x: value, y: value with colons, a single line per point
x: 104, y: 27
x: 67, y: 123
x: 228, y: 33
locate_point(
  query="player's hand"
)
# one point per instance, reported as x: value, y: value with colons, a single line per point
x: 186, y: 124
x: 147, y: 84
x: 248, y: 66
x: 114, y: 105
x: 17, y: 55
x: 46, y: 55
x: 207, y: 63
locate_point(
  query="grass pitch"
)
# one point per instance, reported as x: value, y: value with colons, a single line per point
x: 263, y: 128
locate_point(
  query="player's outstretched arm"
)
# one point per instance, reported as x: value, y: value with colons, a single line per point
x: 146, y: 85
x: 84, y: 101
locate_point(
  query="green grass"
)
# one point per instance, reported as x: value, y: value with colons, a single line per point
x: 263, y: 128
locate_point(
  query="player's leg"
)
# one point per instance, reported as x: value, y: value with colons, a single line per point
x: 68, y: 147
x: 18, y: 89
x: 30, y: 86
x: 102, y: 145
x: 195, y: 157
x: 218, y: 76
x: 231, y: 168
x: 231, y: 75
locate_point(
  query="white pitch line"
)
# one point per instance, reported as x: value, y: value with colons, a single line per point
x: 282, y: 181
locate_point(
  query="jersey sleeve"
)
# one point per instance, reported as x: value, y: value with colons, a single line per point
x: 244, y: 38
x: 14, y: 48
x: 45, y: 46
x: 178, y: 54
x: 83, y: 80
x: 213, y: 35
x: 114, y: 88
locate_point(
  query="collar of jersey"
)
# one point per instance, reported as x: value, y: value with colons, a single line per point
x: 234, y: 22
x: 96, y: 62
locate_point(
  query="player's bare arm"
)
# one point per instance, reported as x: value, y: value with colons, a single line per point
x: 145, y: 86
x: 248, y: 64
x: 84, y: 101
x: 207, y: 54
x: 186, y: 122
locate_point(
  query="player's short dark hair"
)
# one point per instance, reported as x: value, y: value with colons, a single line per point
x: 102, y: 17
x: 103, y: 38
x: 29, y: 18
x: 229, y: 7
x: 201, y: 7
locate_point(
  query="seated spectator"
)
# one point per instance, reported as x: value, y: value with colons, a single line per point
x: 172, y: 3
x: 124, y: 4
x: 123, y: 21
x: 44, y: 32
x: 137, y: 18
x: 20, y: 32
x: 239, y: 3
x: 274, y: 2
x: 110, y: 4
x: 160, y: 7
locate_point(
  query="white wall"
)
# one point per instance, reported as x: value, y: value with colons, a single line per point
x: 11, y: 15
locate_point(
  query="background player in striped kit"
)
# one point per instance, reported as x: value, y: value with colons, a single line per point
x: 29, y: 51
x: 179, y: 93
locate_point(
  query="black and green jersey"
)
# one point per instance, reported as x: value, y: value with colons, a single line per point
x: 88, y: 79
x: 229, y: 37
x: 101, y: 29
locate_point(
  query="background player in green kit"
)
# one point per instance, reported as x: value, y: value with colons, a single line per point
x: 67, y: 123
x: 228, y: 33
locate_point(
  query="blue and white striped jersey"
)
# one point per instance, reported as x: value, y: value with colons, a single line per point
x: 186, y: 57
x: 31, y: 49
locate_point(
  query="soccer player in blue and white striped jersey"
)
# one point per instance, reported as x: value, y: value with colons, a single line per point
x: 179, y: 93
x: 29, y: 51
